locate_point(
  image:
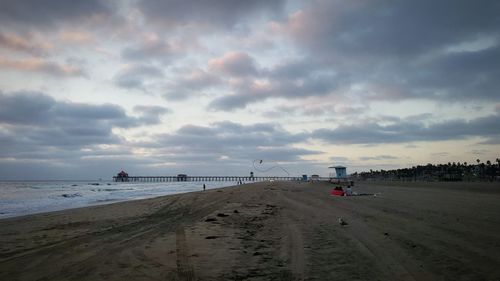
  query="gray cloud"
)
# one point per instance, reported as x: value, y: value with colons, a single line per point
x: 37, y: 120
x: 396, y: 30
x: 494, y: 140
x: 467, y: 75
x: 151, y: 114
x: 339, y: 159
x: 42, y: 14
x: 251, y: 91
x: 286, y: 80
x: 57, y: 139
x: 191, y: 83
x: 39, y: 130
x: 42, y: 66
x: 378, y: 157
x: 409, y: 130
x: 150, y: 50
x: 439, y: 51
x: 25, y: 108
x: 230, y: 142
x: 211, y: 13
x: 137, y: 76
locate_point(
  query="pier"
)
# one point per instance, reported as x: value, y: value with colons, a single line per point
x: 181, y: 178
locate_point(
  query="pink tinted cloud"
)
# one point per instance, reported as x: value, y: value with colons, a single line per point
x: 76, y: 37
x: 41, y: 66
x: 26, y: 44
x: 234, y: 64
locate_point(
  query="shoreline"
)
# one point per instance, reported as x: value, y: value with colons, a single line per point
x: 100, y: 205
x: 27, y: 198
x: 262, y: 231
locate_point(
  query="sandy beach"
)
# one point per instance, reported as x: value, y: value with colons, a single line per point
x: 267, y: 231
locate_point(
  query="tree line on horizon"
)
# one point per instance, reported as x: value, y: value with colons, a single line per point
x: 452, y: 171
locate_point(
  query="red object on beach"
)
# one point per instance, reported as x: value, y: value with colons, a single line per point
x: 337, y: 192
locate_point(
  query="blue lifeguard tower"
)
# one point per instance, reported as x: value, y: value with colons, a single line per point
x: 340, y: 172
x: 340, y: 176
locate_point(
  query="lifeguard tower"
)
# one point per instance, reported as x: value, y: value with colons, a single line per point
x: 340, y: 176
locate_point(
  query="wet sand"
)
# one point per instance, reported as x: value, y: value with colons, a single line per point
x: 267, y: 231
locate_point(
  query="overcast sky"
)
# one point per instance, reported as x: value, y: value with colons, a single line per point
x: 89, y: 87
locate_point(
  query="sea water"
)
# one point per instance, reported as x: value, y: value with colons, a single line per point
x: 23, y: 198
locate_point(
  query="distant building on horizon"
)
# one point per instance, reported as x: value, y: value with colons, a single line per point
x: 122, y: 176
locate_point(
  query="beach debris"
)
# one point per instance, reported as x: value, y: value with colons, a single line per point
x: 210, y: 219
x: 386, y: 233
x: 222, y: 215
x: 212, y: 237
x: 342, y: 221
x: 236, y: 211
x: 71, y: 195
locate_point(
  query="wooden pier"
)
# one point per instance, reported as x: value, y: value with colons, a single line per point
x: 200, y: 178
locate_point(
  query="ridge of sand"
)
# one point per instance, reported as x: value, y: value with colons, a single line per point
x: 267, y: 231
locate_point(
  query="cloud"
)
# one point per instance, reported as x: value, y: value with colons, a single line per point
x: 397, y: 30
x: 56, y: 139
x: 294, y: 68
x: 38, y: 65
x: 234, y: 64
x: 26, y: 44
x: 151, y: 49
x: 409, y: 131
x: 340, y: 159
x: 76, y: 37
x: 467, y: 75
x: 217, y: 14
x: 251, y: 91
x: 233, y: 142
x: 292, y: 79
x: 151, y: 114
x: 136, y: 76
x: 35, y: 119
x: 50, y: 13
x: 187, y: 84
x: 404, y: 50
x: 378, y: 157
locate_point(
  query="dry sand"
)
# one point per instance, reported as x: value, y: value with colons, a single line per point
x: 267, y: 231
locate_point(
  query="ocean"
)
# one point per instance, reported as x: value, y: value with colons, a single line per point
x: 24, y: 198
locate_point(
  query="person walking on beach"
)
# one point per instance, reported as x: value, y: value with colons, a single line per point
x: 204, y: 187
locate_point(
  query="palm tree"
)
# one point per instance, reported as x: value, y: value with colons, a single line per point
x: 478, y: 161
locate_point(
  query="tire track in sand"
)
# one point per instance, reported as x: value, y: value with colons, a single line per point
x: 294, y: 245
x: 184, y: 268
x: 295, y: 249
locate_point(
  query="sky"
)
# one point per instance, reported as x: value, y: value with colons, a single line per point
x: 161, y: 87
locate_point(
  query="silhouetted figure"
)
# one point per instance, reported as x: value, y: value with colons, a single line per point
x: 204, y: 187
x: 348, y: 191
